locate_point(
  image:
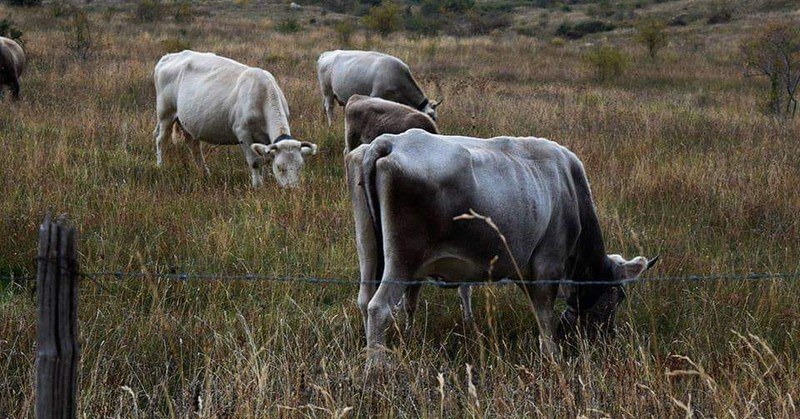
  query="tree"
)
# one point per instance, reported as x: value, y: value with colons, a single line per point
x: 652, y: 35
x: 384, y: 19
x: 608, y: 62
x: 775, y: 53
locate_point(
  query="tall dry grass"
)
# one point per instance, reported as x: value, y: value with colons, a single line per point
x: 680, y: 161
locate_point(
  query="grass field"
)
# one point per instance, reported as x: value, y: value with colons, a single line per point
x: 681, y: 162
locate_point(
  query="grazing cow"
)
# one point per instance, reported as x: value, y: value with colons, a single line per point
x: 368, y: 117
x: 346, y: 73
x: 220, y: 101
x: 12, y: 64
x: 534, y: 190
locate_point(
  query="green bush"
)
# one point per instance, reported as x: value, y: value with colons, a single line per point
x: 183, y: 12
x: 149, y: 11
x: 384, y: 19
x: 344, y: 31
x: 175, y: 45
x: 558, y: 42
x: 288, y: 25
x: 8, y: 29
x: 652, y: 35
x: 24, y: 2
x: 769, y: 52
x: 720, y: 13
x: 608, y: 62
x: 581, y: 29
x: 79, y: 35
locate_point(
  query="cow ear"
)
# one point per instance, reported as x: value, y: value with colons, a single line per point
x: 630, y: 269
x: 265, y: 151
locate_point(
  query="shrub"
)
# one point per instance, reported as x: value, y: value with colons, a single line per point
x: 8, y: 29
x: 344, y: 30
x: 720, y: 13
x: 608, y: 62
x: 422, y: 24
x: 149, y: 11
x: 61, y: 9
x: 24, y: 2
x: 79, y: 36
x: 288, y: 25
x: 774, y: 52
x: 182, y: 11
x: 175, y: 45
x: 652, y: 35
x: 384, y: 19
x: 679, y: 20
x: 581, y: 29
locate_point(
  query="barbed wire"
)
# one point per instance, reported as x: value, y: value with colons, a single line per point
x: 187, y: 276
x: 200, y: 276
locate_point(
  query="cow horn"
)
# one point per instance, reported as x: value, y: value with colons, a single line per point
x: 652, y: 262
x: 264, y: 150
x: 436, y: 103
x: 310, y: 145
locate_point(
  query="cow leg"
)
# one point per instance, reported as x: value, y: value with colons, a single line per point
x: 197, y: 154
x: 163, y: 128
x: 410, y: 305
x: 254, y: 161
x: 365, y: 293
x: 15, y: 88
x: 368, y: 257
x: 465, y: 292
x: 543, y: 298
x: 328, y: 104
x: 380, y: 311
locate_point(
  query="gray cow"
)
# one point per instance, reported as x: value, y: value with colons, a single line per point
x: 536, y: 192
x: 366, y: 118
x: 346, y: 73
x: 12, y: 64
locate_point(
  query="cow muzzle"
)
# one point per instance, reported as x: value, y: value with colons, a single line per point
x: 597, y: 321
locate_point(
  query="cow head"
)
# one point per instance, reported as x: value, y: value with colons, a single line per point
x: 429, y: 108
x: 601, y: 301
x: 288, y: 158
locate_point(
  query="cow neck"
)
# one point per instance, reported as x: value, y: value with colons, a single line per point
x: 282, y: 137
x: 421, y: 106
x: 591, y: 263
x: 278, y: 122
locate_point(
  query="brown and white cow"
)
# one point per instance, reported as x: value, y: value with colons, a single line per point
x: 366, y: 118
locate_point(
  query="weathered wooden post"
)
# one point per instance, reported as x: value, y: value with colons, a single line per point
x: 57, y: 351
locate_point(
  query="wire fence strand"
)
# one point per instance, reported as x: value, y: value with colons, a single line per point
x: 186, y: 276
x: 201, y: 276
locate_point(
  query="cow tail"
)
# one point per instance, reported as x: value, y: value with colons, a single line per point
x: 368, y: 172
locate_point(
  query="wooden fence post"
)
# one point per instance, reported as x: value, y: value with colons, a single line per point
x: 57, y: 352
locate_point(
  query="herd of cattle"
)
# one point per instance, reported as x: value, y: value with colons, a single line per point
x: 408, y: 185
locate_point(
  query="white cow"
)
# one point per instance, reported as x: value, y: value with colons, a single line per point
x: 345, y: 73
x: 220, y: 101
